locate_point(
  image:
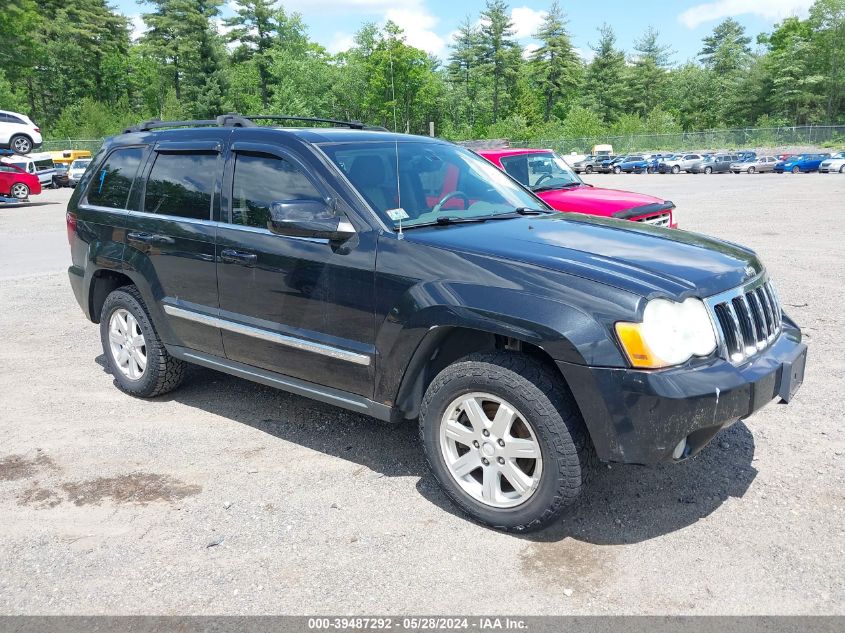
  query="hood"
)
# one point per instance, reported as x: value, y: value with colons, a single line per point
x: 642, y: 259
x: 595, y: 200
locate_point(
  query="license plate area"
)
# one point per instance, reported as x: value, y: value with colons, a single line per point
x: 792, y: 374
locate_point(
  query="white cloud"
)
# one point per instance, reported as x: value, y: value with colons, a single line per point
x: 771, y: 10
x: 341, y: 41
x: 418, y: 24
x: 137, y: 25
x: 528, y: 50
x: 526, y: 21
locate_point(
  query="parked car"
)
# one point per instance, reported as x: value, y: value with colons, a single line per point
x: 834, y: 164
x: 60, y: 176
x: 715, y: 164
x: 803, y: 163
x: 679, y: 163
x: 636, y: 163
x: 545, y: 173
x: 77, y: 169
x: 760, y: 165
x: 41, y: 165
x: 523, y: 342
x: 745, y: 155
x: 608, y: 165
x: 588, y: 165
x: 16, y: 183
x: 18, y: 133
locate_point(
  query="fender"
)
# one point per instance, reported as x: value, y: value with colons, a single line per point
x: 427, y: 313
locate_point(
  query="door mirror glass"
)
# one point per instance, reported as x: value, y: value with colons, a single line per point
x: 309, y: 218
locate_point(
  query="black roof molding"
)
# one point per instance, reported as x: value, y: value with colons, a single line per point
x: 236, y: 120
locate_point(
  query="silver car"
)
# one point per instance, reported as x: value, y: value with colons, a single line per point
x: 758, y: 165
x: 681, y: 162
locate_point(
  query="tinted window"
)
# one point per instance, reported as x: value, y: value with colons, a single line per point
x: 111, y: 184
x: 260, y: 181
x: 182, y: 185
x: 14, y: 119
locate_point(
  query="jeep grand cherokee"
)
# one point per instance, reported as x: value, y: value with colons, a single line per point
x: 409, y: 279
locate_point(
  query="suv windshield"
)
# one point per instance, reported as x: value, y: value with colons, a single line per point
x: 80, y: 164
x: 418, y: 182
x: 541, y: 171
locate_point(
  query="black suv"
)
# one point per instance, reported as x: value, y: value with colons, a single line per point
x: 409, y: 279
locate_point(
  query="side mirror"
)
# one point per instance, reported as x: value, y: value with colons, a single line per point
x: 309, y: 218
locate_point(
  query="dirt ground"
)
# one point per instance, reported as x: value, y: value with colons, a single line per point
x: 227, y: 497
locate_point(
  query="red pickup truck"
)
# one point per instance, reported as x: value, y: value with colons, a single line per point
x: 548, y: 175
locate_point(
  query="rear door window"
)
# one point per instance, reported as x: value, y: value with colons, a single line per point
x: 112, y: 183
x: 182, y: 185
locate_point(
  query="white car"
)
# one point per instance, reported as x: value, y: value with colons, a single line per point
x: 18, y: 133
x: 77, y: 168
x: 834, y: 164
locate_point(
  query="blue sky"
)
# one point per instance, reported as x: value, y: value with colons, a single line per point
x: 429, y: 24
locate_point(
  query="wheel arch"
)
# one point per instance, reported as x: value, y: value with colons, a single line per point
x: 103, y: 283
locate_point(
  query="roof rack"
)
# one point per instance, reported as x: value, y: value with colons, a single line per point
x: 236, y: 120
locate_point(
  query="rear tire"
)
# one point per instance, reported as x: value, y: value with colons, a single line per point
x: 20, y: 144
x: 19, y: 191
x: 544, y: 421
x: 131, y: 343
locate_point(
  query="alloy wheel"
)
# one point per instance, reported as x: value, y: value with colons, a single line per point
x: 22, y: 145
x: 491, y: 450
x: 20, y: 191
x: 127, y: 344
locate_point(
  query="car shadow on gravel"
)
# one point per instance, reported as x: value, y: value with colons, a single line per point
x: 620, y: 504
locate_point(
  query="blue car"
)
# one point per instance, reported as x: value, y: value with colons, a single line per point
x: 804, y: 163
x: 634, y: 164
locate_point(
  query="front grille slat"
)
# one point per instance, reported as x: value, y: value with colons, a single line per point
x: 661, y: 219
x: 747, y: 319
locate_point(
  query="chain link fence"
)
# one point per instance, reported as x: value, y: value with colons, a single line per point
x: 809, y: 136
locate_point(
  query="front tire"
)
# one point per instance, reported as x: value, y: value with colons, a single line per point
x: 589, y: 169
x: 751, y: 170
x: 135, y: 355
x: 617, y: 170
x: 504, y: 440
x: 20, y: 144
x: 796, y: 170
x: 708, y: 170
x: 842, y: 169
x: 676, y: 169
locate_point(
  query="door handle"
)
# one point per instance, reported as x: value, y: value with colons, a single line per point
x: 231, y: 256
x: 150, y: 238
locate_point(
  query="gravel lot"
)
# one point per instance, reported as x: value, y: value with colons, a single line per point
x: 229, y: 497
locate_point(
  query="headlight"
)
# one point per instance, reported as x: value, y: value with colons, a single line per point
x: 670, y: 334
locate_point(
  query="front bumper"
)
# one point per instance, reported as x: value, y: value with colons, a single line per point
x: 640, y: 416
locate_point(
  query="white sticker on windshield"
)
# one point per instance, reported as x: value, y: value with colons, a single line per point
x: 397, y: 214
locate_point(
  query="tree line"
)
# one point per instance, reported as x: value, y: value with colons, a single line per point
x: 73, y: 66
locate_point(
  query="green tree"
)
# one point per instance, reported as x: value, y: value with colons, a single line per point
x: 465, y: 73
x: 726, y: 50
x: 499, y: 51
x: 649, y: 72
x: 555, y: 63
x: 827, y: 19
x: 604, y: 85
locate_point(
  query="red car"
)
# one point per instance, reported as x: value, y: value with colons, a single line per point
x: 547, y: 175
x: 16, y: 183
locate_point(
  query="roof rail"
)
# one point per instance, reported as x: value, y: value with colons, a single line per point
x: 236, y: 120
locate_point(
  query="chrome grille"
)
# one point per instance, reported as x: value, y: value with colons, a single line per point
x: 661, y: 219
x: 747, y: 319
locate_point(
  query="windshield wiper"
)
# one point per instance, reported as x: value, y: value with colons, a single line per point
x: 445, y: 220
x: 553, y: 187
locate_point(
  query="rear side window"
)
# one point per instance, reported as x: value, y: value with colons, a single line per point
x: 182, y: 185
x: 112, y: 182
x: 261, y: 180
